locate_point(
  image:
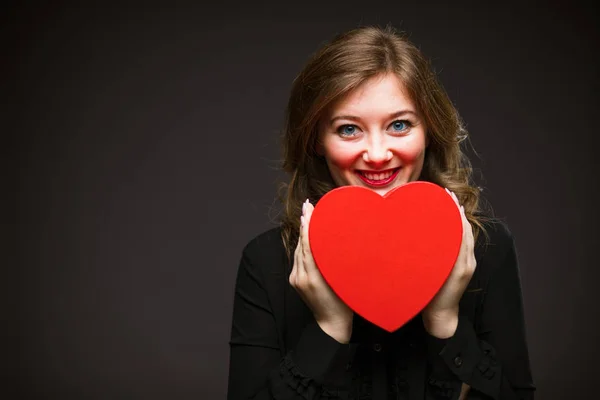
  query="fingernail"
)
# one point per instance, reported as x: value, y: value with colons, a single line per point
x: 462, y: 209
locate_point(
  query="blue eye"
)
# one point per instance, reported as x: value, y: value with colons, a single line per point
x: 347, y: 130
x: 400, y: 126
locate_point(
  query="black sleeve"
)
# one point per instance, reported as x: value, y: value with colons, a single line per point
x: 495, y: 362
x: 258, y: 367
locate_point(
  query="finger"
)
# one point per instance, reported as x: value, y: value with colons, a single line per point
x: 307, y: 253
x: 463, y: 252
x: 467, y: 225
x: 307, y: 217
x: 453, y: 196
x: 292, y: 277
x: 470, y: 236
x: 297, y: 251
x: 301, y: 251
x: 468, y: 245
x: 471, y: 263
x: 294, y: 274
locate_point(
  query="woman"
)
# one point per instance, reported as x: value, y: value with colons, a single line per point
x: 367, y: 110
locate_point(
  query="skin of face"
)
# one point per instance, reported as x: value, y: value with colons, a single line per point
x: 373, y: 129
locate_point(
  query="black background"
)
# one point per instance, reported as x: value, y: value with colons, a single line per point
x: 142, y: 147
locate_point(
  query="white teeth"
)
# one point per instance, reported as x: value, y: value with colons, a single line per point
x: 378, y: 177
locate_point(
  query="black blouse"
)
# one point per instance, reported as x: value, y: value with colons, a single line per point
x: 278, y: 351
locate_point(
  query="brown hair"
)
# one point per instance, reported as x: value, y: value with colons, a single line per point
x: 337, y: 68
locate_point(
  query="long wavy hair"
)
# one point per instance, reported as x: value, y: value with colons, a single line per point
x: 337, y: 68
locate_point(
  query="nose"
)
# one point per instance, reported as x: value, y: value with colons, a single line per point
x: 377, y: 153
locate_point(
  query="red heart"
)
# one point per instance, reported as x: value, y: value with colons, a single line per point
x: 386, y: 257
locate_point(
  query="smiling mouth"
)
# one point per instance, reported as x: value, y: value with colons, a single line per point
x: 381, y: 178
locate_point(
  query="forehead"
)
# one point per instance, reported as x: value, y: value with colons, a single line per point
x: 380, y: 94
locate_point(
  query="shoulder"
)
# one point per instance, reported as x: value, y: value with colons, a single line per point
x: 266, y: 251
x: 497, y: 235
x: 269, y: 240
x: 494, y: 246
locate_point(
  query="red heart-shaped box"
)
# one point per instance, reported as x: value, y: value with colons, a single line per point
x: 386, y: 256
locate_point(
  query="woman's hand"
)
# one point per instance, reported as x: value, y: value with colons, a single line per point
x: 440, y: 316
x: 331, y: 313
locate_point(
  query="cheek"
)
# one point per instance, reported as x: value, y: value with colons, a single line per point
x: 341, y: 156
x: 412, y: 152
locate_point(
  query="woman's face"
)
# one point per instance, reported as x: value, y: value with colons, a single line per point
x: 373, y: 137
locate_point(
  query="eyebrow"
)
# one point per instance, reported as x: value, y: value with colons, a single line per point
x: 391, y: 116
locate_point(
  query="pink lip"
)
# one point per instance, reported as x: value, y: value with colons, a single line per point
x: 380, y: 183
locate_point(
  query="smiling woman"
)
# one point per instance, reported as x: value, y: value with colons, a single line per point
x: 368, y: 111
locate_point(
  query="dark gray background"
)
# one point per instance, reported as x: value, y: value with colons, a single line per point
x: 144, y: 145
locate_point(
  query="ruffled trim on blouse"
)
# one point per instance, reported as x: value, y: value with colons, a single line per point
x: 442, y: 389
x: 305, y: 386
